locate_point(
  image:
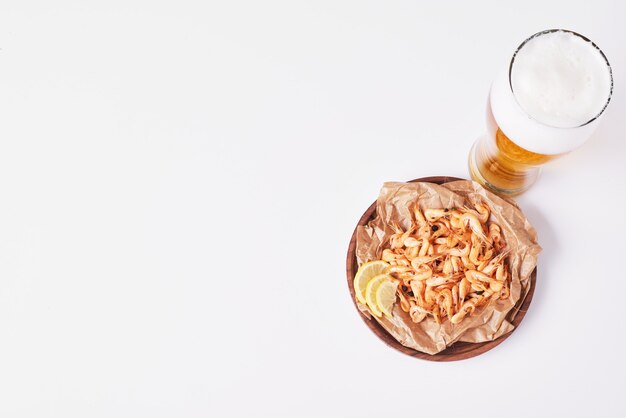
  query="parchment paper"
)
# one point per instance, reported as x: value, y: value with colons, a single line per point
x: 395, y: 204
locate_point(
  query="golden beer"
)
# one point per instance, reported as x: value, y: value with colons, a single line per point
x: 544, y: 106
x: 501, y: 165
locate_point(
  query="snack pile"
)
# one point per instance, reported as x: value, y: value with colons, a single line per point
x: 447, y: 264
x: 443, y: 263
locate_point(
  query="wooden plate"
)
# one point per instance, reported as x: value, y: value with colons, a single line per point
x: 458, y: 350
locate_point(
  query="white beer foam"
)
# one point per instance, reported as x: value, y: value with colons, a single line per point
x: 560, y: 79
x: 553, y: 95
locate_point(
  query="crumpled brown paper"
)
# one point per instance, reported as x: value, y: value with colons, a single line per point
x: 395, y: 204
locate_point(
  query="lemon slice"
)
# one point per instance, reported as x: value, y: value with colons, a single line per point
x: 370, y: 292
x: 386, y: 297
x: 365, y: 274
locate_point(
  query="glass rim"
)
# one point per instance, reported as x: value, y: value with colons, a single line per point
x: 544, y: 32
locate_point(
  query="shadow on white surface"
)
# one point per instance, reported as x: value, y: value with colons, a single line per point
x: 550, y: 247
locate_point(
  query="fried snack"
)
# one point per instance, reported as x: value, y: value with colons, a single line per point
x: 448, y: 263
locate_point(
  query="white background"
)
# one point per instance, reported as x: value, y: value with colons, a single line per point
x: 179, y: 182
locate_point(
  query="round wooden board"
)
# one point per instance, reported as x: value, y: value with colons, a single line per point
x: 458, y: 350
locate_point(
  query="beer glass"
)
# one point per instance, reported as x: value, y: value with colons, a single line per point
x: 545, y: 104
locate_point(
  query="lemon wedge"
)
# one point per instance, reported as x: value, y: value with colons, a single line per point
x: 370, y: 292
x: 365, y: 273
x: 386, y: 297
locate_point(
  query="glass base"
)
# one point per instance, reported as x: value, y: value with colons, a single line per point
x: 503, y: 181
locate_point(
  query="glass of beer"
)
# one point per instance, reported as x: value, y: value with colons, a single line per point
x: 545, y: 104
